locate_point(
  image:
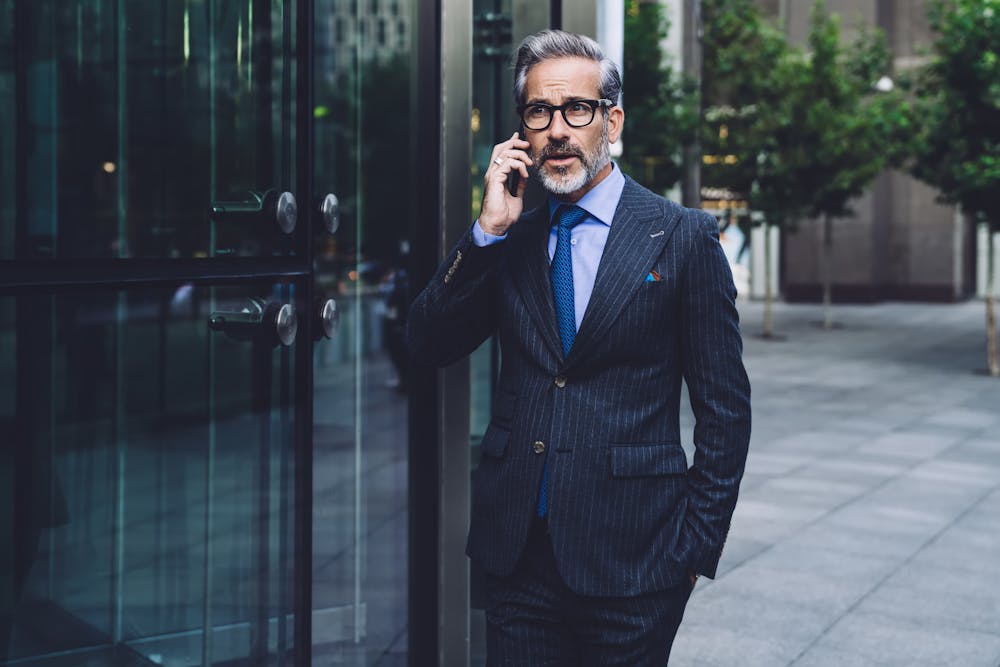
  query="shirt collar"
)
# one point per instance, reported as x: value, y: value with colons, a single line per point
x: 602, y: 200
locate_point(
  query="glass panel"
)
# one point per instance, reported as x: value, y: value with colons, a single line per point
x: 124, y: 125
x: 363, y: 127
x: 493, y: 120
x: 7, y: 128
x: 149, y: 481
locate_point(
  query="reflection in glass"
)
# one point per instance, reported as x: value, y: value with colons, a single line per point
x: 122, y: 122
x: 493, y: 120
x: 363, y: 128
x: 151, y: 475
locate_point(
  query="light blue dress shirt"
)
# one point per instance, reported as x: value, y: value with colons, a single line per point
x: 587, y: 238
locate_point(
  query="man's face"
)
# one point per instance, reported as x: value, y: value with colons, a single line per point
x: 569, y: 160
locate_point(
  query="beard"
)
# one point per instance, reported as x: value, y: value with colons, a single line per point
x: 564, y: 180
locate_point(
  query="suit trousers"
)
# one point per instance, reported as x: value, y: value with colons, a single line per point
x: 534, y: 620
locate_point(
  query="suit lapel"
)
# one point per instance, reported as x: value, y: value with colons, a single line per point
x: 530, y: 271
x: 639, y: 231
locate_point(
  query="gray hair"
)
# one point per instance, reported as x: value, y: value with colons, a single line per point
x: 550, y: 44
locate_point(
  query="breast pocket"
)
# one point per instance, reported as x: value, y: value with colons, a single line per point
x: 649, y: 317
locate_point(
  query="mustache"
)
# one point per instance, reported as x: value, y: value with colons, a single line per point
x: 562, y: 149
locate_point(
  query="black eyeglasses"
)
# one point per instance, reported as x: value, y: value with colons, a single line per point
x: 576, y: 113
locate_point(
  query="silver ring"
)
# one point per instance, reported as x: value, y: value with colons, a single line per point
x: 497, y: 161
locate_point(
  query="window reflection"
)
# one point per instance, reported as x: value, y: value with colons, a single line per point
x: 364, y: 124
x: 133, y: 119
x: 150, y: 476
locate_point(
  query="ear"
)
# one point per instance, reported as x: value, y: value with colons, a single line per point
x: 616, y: 118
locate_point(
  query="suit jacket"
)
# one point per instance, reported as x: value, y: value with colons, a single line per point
x: 626, y: 514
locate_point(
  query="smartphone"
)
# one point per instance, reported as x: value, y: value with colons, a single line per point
x: 514, y: 177
x: 513, y: 180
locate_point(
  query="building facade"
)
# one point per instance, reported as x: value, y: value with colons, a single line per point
x: 902, y: 243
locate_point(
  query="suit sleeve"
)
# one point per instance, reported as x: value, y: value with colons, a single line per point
x: 456, y: 311
x: 720, y: 398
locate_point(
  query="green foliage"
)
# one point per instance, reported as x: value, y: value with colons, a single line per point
x: 661, y: 107
x: 840, y: 147
x: 957, y: 108
x: 748, y: 74
x: 805, y: 133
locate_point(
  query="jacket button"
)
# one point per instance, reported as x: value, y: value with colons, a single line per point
x: 539, y: 447
x: 560, y: 381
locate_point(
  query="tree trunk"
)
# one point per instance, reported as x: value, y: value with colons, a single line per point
x: 992, y: 360
x: 768, y: 292
x: 827, y: 272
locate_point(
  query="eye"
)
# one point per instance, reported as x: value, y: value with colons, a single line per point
x: 537, y: 111
x: 579, y: 107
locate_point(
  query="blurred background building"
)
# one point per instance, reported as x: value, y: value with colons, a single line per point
x: 901, y: 244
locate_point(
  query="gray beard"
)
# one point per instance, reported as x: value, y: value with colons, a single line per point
x: 560, y: 182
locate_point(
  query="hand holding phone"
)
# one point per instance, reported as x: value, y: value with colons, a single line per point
x: 504, y: 185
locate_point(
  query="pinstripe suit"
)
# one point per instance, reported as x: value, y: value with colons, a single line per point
x: 626, y: 515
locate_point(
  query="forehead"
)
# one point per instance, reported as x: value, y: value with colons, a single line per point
x: 563, y: 78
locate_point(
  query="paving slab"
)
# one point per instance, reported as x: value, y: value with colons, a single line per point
x: 888, y: 641
x: 868, y: 527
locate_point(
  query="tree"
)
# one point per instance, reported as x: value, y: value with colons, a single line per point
x: 957, y: 113
x: 842, y: 139
x: 801, y: 133
x: 748, y: 75
x: 663, y: 111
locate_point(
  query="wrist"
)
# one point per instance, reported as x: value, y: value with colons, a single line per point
x: 493, y: 228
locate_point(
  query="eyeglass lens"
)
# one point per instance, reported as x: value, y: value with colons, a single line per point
x: 576, y: 114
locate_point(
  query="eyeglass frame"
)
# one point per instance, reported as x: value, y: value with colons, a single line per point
x: 594, y: 105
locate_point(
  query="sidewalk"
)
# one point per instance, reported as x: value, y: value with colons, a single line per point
x: 868, y: 527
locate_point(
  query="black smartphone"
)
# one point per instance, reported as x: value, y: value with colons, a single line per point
x: 514, y: 177
x: 513, y: 180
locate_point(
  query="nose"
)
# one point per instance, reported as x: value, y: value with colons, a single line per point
x: 558, y: 129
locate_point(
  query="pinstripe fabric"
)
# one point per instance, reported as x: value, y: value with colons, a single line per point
x: 562, y: 295
x: 626, y: 515
x: 533, y: 619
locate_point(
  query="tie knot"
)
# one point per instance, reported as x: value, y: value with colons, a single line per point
x: 570, y: 216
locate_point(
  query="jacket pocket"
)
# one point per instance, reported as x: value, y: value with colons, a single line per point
x: 494, y: 441
x: 648, y: 460
x: 503, y: 407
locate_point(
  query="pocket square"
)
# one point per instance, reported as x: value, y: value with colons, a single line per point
x: 653, y: 277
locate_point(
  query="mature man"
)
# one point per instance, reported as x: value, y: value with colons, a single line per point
x: 586, y: 518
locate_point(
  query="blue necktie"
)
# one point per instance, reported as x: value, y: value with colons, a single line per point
x: 562, y: 289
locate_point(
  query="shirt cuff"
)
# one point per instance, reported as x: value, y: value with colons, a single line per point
x: 481, y: 238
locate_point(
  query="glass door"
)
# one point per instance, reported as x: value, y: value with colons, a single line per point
x: 202, y: 374
x: 364, y: 124
x: 158, y: 129
x: 153, y: 373
x: 147, y: 474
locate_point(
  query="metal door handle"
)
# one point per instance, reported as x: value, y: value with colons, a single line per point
x: 269, y: 207
x: 329, y: 211
x: 266, y: 322
x: 328, y: 321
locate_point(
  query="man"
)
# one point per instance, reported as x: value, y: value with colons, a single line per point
x: 588, y: 522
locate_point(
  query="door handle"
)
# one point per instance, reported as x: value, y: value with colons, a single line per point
x: 328, y: 322
x: 269, y: 207
x: 268, y: 322
x: 329, y: 212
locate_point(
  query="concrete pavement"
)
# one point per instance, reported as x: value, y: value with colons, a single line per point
x: 868, y: 527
